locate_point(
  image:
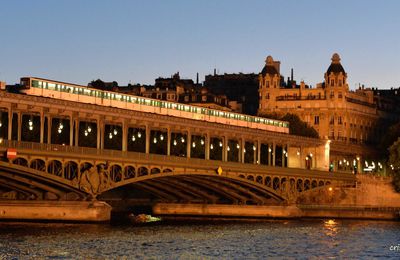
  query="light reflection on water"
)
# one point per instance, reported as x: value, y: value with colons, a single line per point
x: 205, y: 240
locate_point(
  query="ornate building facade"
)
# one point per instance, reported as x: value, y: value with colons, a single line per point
x: 347, y: 118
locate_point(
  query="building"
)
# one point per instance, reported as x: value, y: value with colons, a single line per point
x: 347, y: 118
x: 201, y: 96
x: 241, y: 89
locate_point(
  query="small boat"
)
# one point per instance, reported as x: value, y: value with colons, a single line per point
x: 142, y: 218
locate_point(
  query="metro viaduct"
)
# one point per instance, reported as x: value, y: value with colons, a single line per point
x: 131, y: 155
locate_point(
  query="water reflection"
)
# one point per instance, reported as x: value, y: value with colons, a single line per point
x: 211, y: 240
x: 331, y: 227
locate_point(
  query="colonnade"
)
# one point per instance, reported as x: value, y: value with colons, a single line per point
x: 142, y: 137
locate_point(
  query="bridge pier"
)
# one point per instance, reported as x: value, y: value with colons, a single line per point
x: 69, y: 211
x: 219, y: 210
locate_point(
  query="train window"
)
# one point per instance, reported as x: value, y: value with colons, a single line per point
x: 35, y: 83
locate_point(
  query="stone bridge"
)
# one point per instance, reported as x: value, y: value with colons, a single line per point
x: 68, y: 173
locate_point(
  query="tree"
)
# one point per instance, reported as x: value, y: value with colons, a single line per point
x: 388, y: 137
x: 296, y: 125
x: 394, y: 161
x: 299, y: 127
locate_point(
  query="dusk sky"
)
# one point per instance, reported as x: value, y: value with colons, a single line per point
x: 138, y: 41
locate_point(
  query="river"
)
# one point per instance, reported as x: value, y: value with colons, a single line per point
x: 322, y: 239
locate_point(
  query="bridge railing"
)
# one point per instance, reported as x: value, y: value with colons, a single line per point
x: 90, y: 151
x: 174, y: 161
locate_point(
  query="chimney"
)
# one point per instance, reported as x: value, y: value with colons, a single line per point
x: 197, y: 78
x: 215, y: 71
x: 291, y: 74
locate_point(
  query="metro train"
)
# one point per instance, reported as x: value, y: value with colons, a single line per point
x: 72, y: 92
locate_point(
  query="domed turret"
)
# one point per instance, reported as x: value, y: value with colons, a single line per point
x: 271, y: 66
x: 336, y: 76
x: 335, y: 66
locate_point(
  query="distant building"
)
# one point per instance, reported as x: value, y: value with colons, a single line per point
x: 240, y: 88
x: 173, y: 89
x: 203, y: 97
x: 338, y: 114
x: 169, y: 88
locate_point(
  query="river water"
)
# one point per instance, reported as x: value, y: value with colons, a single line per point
x: 322, y: 239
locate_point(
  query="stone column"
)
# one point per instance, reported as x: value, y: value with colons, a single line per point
x: 102, y: 134
x: 98, y: 134
x: 287, y: 156
x: 147, y: 138
x: 71, y: 130
x: 283, y: 156
x: 10, y: 123
x: 76, y: 121
x: 42, y: 119
x: 207, y: 146
x: 241, y: 150
x: 257, y: 153
x: 269, y: 147
x: 189, y: 144
x: 124, y: 136
x: 273, y: 153
x: 168, y: 141
x: 224, y: 149
x: 300, y: 157
x: 19, y: 126
x: 49, y: 125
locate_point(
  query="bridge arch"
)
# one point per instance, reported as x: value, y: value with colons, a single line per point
x: 195, y: 187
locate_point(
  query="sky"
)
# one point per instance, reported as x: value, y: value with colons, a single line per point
x: 138, y: 41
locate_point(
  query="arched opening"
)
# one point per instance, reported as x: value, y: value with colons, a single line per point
x: 38, y: 164
x: 314, y: 184
x: 292, y: 185
x: 143, y: 171
x: 167, y: 170
x: 116, y: 173
x: 250, y: 178
x: 86, y: 166
x: 259, y: 179
x: 21, y: 162
x: 299, y: 185
x: 276, y: 183
x: 242, y: 176
x: 71, y: 170
x: 283, y: 184
x: 307, y: 185
x: 55, y: 168
x: 129, y: 172
x: 320, y: 183
x: 268, y: 181
x: 155, y: 171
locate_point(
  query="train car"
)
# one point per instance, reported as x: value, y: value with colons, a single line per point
x: 72, y: 92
